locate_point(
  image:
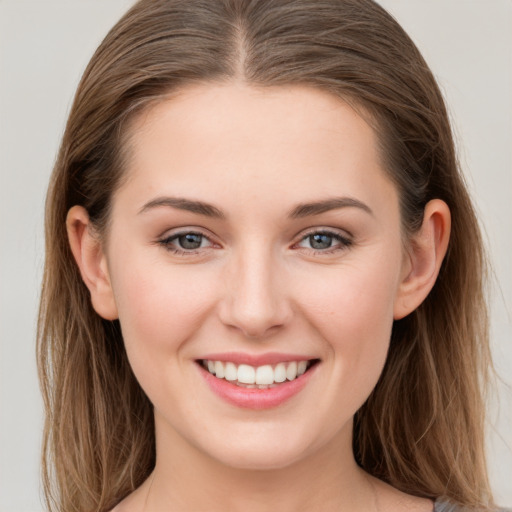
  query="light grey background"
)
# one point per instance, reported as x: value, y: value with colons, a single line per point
x: 44, y: 47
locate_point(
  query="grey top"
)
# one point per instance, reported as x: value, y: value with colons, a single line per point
x: 444, y: 506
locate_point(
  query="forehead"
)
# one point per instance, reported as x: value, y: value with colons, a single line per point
x: 262, y: 114
x: 233, y: 138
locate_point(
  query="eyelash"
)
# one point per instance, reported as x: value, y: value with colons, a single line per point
x: 343, y: 242
x: 167, y: 242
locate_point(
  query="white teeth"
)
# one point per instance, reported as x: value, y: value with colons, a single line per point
x: 230, y: 372
x: 261, y: 377
x: 291, y: 371
x: 246, y: 374
x: 280, y: 373
x: 264, y: 375
x: 219, y: 369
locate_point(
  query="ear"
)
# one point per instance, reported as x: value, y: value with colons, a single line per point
x: 422, y: 263
x: 92, y: 262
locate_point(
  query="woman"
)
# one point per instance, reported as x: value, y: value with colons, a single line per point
x: 264, y: 274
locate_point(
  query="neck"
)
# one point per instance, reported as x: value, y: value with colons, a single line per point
x: 186, y: 478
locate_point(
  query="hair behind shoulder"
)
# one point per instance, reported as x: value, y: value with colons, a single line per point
x: 422, y: 429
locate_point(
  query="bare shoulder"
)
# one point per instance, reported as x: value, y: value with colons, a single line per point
x: 134, y: 502
x: 126, y: 505
x: 129, y: 504
x: 393, y: 500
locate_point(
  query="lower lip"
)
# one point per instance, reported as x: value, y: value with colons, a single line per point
x: 253, y: 398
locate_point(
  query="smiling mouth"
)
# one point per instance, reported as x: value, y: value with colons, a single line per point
x: 257, y: 377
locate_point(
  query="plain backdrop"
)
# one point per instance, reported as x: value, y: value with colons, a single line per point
x: 44, y: 47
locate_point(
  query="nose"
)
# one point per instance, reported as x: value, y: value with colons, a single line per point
x: 255, y: 301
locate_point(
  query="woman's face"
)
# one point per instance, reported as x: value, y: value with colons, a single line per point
x: 257, y: 232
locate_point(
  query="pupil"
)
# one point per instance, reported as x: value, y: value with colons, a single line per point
x: 190, y: 241
x: 320, y: 241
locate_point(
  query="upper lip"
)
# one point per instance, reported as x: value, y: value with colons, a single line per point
x: 255, y: 359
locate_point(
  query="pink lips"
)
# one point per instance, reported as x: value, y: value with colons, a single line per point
x: 256, y: 398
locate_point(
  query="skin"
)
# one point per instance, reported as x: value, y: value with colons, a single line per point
x: 257, y: 285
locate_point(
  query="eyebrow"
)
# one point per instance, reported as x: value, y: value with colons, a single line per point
x: 180, y: 203
x: 318, y: 207
x: 300, y: 211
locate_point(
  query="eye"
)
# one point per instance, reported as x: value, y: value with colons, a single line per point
x: 186, y: 242
x: 324, y: 241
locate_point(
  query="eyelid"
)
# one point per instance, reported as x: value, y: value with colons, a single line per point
x: 344, y: 238
x: 325, y: 229
x: 184, y: 230
x: 170, y: 236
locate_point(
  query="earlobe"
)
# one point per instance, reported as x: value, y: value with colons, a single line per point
x: 91, y: 260
x: 427, y: 250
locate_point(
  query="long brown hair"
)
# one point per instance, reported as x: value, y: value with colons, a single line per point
x: 422, y: 427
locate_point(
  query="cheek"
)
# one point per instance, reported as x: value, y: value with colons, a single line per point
x: 356, y: 302
x: 160, y: 308
x: 354, y: 315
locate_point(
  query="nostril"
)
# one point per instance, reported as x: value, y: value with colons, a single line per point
x: 253, y: 300
x: 254, y: 327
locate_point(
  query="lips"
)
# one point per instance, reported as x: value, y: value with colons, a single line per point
x: 256, y: 382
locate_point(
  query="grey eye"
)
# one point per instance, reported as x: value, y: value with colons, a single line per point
x: 325, y: 242
x: 190, y: 241
x: 320, y: 241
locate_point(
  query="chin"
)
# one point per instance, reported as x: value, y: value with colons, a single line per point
x: 260, y: 450
x: 254, y: 459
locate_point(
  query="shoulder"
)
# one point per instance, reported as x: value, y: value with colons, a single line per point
x: 136, y: 500
x: 442, y: 505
